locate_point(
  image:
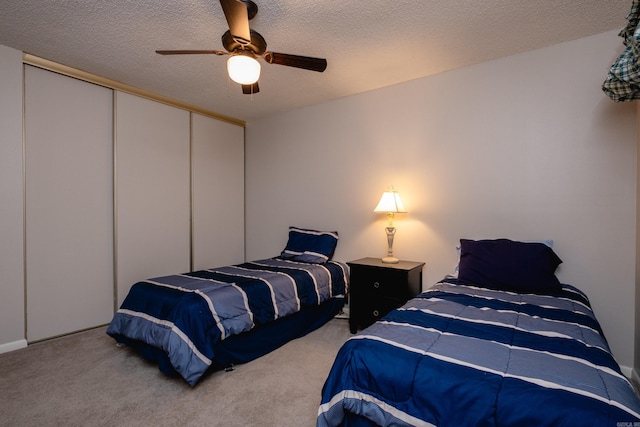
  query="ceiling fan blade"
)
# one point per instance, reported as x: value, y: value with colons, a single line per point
x: 306, y: 62
x: 237, y: 16
x: 249, y: 89
x: 191, y: 52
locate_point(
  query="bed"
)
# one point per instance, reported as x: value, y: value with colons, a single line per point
x: 205, y: 320
x: 502, y: 344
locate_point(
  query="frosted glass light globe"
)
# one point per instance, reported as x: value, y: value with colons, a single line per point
x: 243, y: 69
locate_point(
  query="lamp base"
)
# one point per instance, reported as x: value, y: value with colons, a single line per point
x: 390, y: 260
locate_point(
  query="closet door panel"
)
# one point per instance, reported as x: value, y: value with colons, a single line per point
x: 69, y: 204
x: 218, y: 192
x: 152, y: 190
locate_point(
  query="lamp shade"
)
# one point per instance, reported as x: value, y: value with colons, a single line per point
x: 243, y: 69
x: 390, y: 203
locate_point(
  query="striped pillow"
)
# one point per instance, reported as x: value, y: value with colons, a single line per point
x: 312, y: 246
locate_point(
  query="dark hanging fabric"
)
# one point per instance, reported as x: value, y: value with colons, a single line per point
x: 623, y: 80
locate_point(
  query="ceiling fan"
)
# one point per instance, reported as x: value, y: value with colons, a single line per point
x: 245, y: 46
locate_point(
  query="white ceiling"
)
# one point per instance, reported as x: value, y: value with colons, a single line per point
x: 367, y: 44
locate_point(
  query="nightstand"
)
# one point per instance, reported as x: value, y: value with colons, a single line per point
x: 377, y: 288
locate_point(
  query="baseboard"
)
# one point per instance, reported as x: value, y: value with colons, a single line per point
x: 344, y: 313
x: 633, y: 377
x: 635, y: 380
x: 11, y: 346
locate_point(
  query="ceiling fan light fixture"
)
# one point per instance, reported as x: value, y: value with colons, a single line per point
x: 245, y: 46
x: 243, y: 68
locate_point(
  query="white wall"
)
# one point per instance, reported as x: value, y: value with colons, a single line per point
x: 523, y: 147
x: 11, y: 202
x: 636, y: 362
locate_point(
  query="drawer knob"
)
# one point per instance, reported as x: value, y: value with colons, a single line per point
x: 376, y: 285
x: 376, y: 313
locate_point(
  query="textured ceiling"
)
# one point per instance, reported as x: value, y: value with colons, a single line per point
x: 367, y: 44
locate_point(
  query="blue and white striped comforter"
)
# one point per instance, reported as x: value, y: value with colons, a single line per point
x: 186, y: 315
x: 459, y: 355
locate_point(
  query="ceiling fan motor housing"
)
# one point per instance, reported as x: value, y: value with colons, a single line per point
x: 258, y: 44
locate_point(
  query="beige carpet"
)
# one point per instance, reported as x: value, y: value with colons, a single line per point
x: 84, y: 379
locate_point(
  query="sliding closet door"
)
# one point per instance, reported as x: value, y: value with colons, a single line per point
x: 152, y: 190
x: 218, y: 192
x: 69, y: 204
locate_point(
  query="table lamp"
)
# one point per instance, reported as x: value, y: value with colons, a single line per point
x: 390, y: 204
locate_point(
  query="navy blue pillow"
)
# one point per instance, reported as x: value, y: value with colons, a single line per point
x: 312, y: 246
x: 509, y: 265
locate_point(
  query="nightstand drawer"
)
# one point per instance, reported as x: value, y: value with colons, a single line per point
x: 382, y: 282
x: 375, y: 308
